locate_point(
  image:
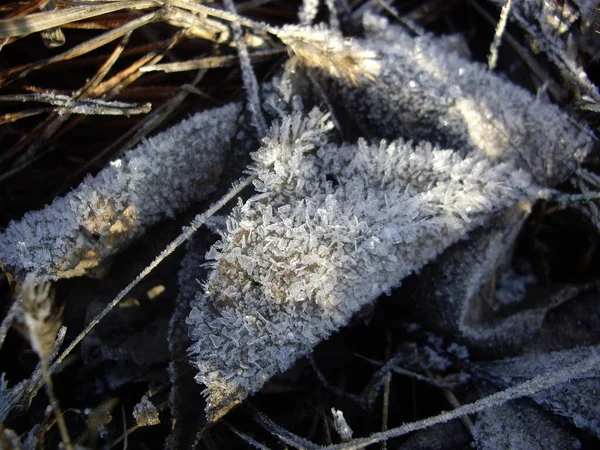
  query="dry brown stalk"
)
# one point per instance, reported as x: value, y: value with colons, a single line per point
x: 43, y: 319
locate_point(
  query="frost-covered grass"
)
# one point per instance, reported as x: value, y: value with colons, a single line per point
x: 386, y: 163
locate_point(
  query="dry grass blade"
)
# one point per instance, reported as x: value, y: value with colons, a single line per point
x: 93, y: 89
x: 212, y: 62
x: 53, y: 37
x: 113, y: 85
x: 55, y: 121
x: 15, y: 116
x: 224, y: 15
x: 40, y: 315
x: 493, y: 55
x: 11, y: 75
x: 22, y: 10
x: 93, y: 82
x: 153, y: 120
x: 27, y: 139
x: 32, y: 23
x: 200, y: 26
x: 558, y: 92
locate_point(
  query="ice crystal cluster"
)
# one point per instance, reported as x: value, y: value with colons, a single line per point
x: 98, y: 218
x: 333, y: 226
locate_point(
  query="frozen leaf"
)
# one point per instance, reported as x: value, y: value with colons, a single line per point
x: 426, y: 92
x: 577, y: 399
x: 106, y: 212
x: 520, y: 426
x: 474, y: 293
x: 331, y: 229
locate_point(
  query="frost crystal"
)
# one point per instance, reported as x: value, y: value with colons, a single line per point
x: 98, y: 218
x: 331, y: 229
x: 334, y: 226
x: 328, y: 50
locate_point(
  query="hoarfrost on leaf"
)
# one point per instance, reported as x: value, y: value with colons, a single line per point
x: 303, y: 255
x: 576, y: 400
x: 426, y: 91
x: 106, y: 212
x: 520, y: 426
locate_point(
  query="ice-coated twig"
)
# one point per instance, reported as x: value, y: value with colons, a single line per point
x: 65, y: 103
x: 493, y: 55
x: 546, y: 22
x: 254, y: 443
x: 308, y: 11
x: 284, y: 435
x: 248, y: 76
x: 340, y: 425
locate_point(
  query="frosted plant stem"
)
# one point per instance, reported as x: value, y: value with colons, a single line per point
x: 525, y: 389
x: 493, y: 56
x: 198, y: 221
x: 248, y: 76
x: 7, y: 322
x: 58, y: 413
